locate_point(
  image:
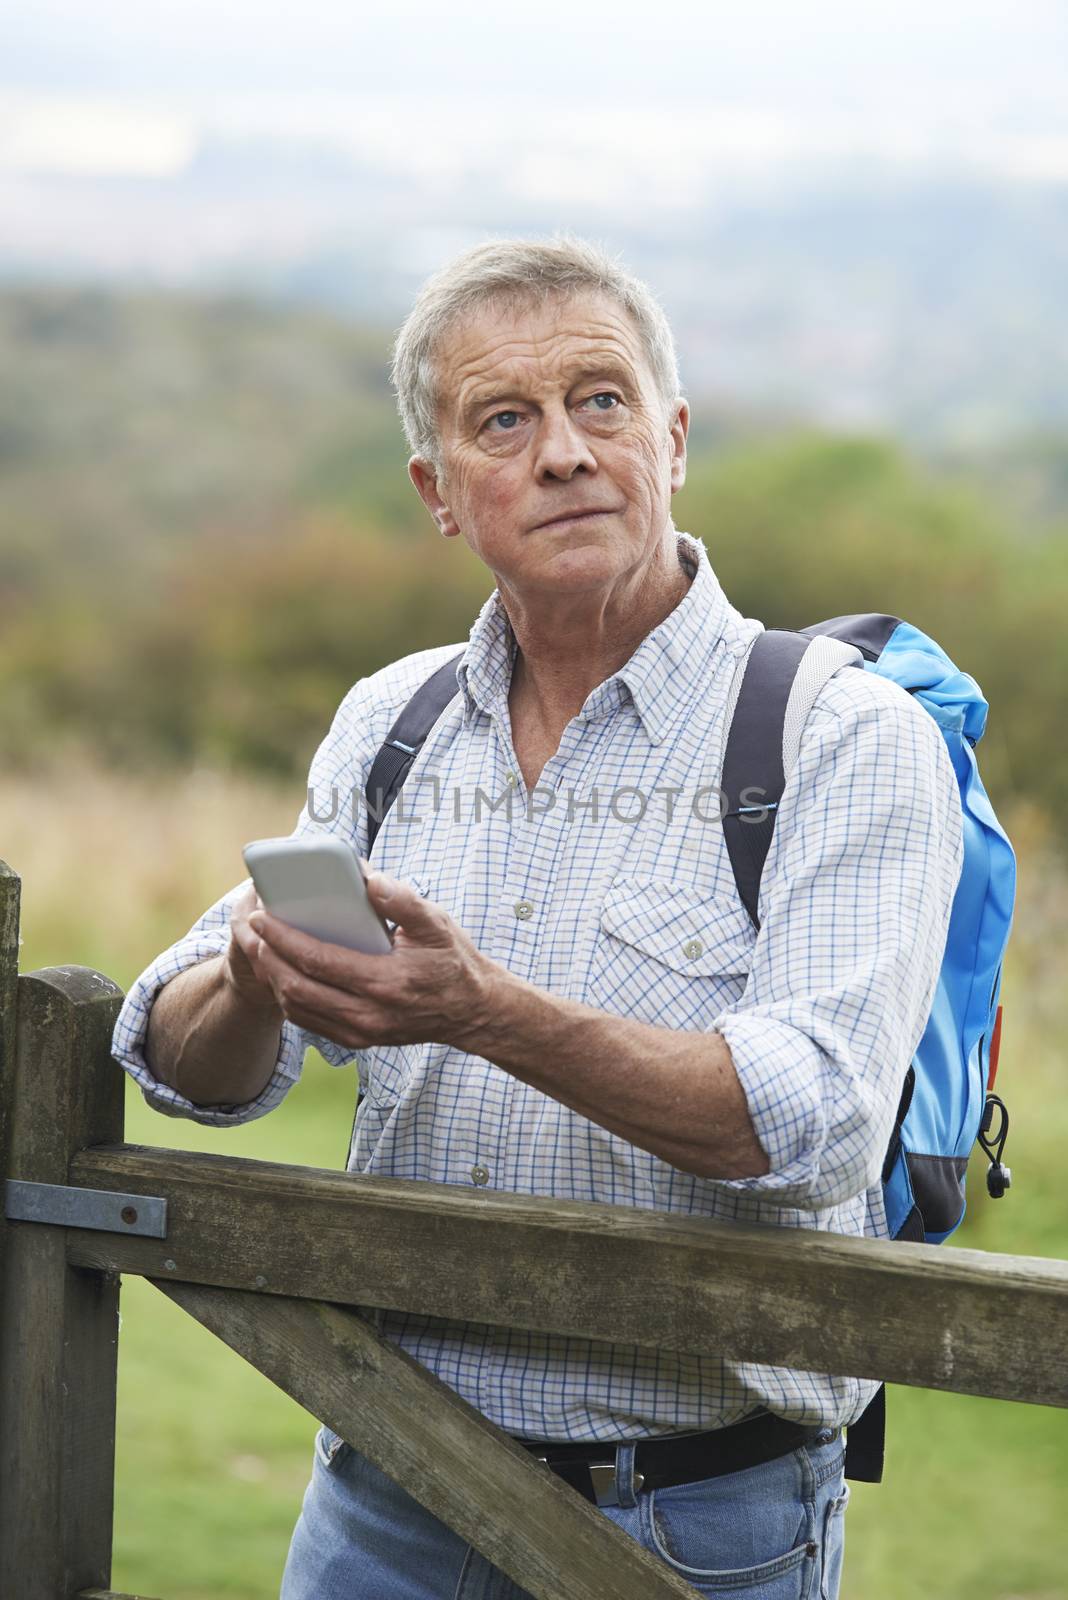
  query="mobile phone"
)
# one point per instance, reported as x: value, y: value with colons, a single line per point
x: 315, y: 883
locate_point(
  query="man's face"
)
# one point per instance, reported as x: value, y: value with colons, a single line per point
x: 558, y: 460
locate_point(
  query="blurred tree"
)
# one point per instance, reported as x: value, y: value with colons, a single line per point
x: 194, y: 562
x: 811, y: 527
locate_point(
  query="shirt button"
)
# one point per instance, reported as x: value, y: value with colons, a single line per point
x: 523, y: 910
x: 692, y: 949
x: 511, y: 780
x: 480, y: 1174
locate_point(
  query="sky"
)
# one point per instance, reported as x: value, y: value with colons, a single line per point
x: 855, y: 206
x: 117, y: 87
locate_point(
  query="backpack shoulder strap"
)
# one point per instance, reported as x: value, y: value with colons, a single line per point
x: 404, y: 741
x: 783, y: 675
x: 867, y: 631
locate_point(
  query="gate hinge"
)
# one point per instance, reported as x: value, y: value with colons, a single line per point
x: 101, y: 1209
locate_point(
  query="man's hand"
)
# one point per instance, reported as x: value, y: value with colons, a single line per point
x: 213, y: 1031
x: 434, y: 986
x: 239, y: 965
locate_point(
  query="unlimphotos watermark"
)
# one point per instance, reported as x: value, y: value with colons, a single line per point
x: 469, y: 805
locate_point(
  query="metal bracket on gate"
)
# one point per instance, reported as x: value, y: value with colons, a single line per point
x: 101, y: 1209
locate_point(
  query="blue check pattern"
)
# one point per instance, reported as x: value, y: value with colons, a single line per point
x: 610, y: 884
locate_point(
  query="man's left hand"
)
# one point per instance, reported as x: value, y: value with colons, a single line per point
x: 433, y: 986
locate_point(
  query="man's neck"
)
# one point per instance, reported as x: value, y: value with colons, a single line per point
x: 558, y: 664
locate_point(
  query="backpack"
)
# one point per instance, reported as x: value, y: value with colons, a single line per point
x: 947, y: 1102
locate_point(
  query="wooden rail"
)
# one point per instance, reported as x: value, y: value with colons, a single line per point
x: 942, y: 1318
x: 276, y: 1259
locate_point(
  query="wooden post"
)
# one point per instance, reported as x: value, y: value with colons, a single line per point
x: 9, y: 974
x: 58, y: 1324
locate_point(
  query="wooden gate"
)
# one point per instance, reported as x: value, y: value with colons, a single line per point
x: 274, y: 1258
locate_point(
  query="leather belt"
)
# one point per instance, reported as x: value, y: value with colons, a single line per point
x: 680, y: 1458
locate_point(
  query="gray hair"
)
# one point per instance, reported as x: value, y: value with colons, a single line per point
x: 515, y: 271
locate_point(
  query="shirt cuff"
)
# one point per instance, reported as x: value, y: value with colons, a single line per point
x: 131, y: 1029
x: 780, y: 1070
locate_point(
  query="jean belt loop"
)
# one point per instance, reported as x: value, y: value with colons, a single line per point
x: 625, y: 1485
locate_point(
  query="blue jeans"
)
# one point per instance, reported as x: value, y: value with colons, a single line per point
x: 772, y: 1532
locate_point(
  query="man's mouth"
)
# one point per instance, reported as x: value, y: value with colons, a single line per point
x: 574, y: 516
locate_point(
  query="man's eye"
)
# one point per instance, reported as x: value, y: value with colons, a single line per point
x: 612, y: 399
x: 507, y: 419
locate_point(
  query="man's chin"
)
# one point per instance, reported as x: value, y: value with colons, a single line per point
x: 588, y: 554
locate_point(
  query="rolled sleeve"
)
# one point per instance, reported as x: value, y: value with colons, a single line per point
x: 855, y: 905
x: 210, y: 936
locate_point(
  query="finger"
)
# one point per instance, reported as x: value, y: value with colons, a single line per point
x: 352, y: 1032
x: 332, y: 986
x: 346, y: 1018
x: 420, y: 918
x: 243, y: 906
x: 333, y: 964
x: 242, y: 934
x: 247, y: 940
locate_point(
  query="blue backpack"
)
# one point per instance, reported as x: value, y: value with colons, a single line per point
x: 947, y: 1103
x: 944, y: 1102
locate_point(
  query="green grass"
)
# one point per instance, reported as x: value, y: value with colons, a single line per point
x: 212, y: 1459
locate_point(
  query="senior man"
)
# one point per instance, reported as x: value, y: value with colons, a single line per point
x: 577, y: 1003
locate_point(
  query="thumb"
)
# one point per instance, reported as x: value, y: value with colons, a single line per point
x: 404, y: 905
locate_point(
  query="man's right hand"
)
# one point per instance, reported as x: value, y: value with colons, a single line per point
x: 240, y: 962
x: 214, y: 1030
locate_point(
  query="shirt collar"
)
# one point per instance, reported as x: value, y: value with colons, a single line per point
x: 662, y: 676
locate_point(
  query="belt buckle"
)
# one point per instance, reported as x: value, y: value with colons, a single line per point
x: 603, y: 1478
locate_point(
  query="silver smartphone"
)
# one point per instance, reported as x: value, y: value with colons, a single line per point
x: 315, y: 883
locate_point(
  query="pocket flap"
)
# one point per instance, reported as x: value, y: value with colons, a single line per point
x: 679, y: 927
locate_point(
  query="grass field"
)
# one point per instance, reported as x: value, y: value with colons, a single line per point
x: 212, y: 1460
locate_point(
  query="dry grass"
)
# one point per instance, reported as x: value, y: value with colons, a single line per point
x: 115, y: 867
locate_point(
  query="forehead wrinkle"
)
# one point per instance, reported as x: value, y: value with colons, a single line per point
x: 520, y: 363
x: 504, y: 344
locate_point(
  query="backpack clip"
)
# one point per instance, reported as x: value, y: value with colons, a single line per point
x: 998, y: 1177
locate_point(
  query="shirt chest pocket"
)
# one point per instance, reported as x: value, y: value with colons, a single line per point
x: 666, y: 954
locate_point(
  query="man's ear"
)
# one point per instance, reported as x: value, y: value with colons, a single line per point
x: 424, y: 475
x: 679, y: 429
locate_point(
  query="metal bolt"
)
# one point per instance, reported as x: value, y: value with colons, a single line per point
x: 261, y: 1281
x: 171, y: 1266
x: 129, y: 1214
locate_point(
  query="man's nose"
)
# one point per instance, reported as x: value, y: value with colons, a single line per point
x: 562, y: 450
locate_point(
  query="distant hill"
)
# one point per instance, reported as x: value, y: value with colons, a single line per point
x: 935, y: 308
x: 129, y: 422
x: 207, y: 534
